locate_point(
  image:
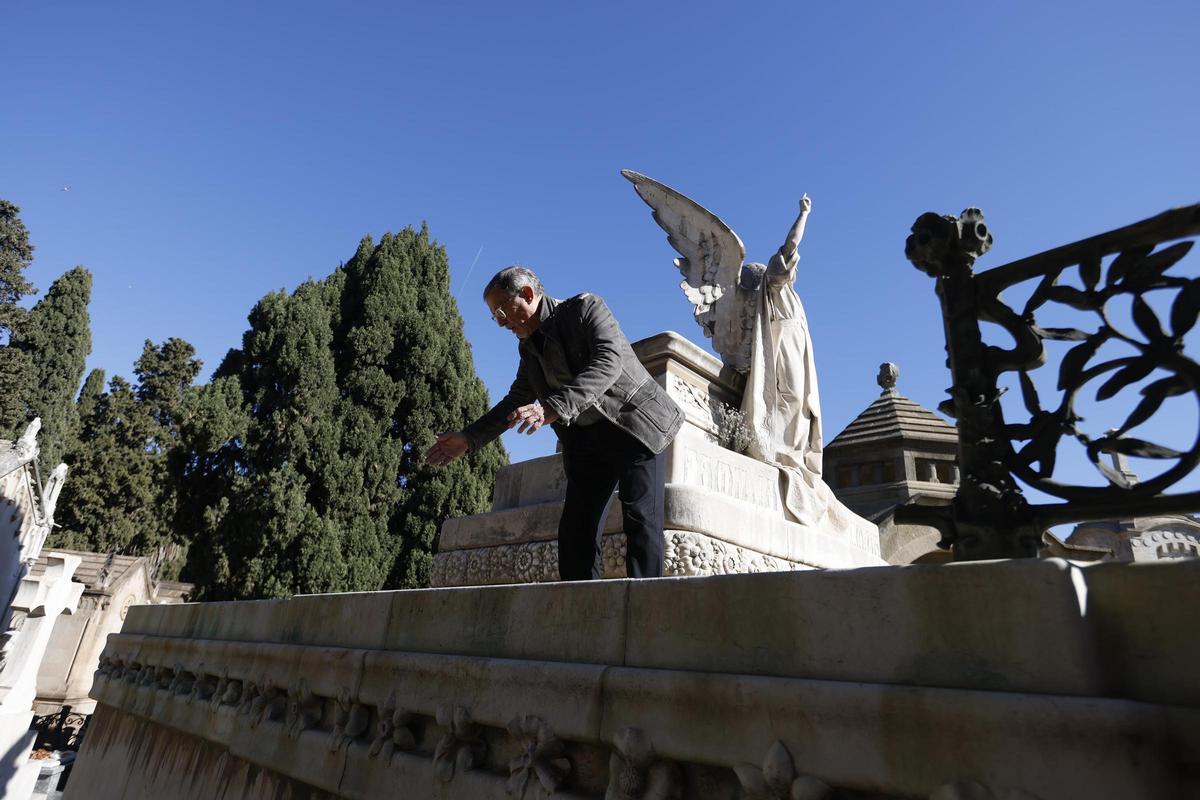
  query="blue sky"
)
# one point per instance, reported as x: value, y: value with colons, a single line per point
x: 218, y: 151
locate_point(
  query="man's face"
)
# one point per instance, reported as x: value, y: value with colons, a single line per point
x: 518, y: 314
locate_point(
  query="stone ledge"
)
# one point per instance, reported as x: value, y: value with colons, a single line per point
x: 1053, y: 746
x: 1115, y: 629
x: 1030, y: 675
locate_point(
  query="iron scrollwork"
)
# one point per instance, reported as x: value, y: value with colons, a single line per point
x: 990, y: 517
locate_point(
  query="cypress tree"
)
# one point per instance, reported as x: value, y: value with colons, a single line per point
x: 16, y: 254
x: 121, y: 497
x: 89, y: 395
x: 312, y: 480
x: 408, y: 365
x: 54, y: 340
x: 109, y: 502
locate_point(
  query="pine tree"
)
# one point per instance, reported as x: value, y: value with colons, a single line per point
x: 312, y: 480
x: 50, y: 348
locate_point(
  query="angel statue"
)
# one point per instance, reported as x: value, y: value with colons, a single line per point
x: 757, y: 324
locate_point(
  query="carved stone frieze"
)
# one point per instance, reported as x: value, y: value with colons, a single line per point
x: 181, y: 680
x: 246, y: 701
x: 462, y: 746
x: 269, y: 703
x: 542, y: 762
x: 777, y: 779
x: 702, y: 409
x: 228, y: 692
x: 303, y: 709
x: 395, y: 731
x: 686, y: 553
x: 636, y: 773
x: 133, y: 673
x: 149, y: 677
x: 203, y: 686
x: 351, y: 720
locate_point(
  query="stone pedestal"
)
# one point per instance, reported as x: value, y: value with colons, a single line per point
x: 724, y: 511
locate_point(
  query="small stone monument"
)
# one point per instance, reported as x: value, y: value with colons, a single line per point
x: 725, y: 511
x: 743, y: 489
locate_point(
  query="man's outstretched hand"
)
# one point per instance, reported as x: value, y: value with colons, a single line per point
x: 449, y: 446
x: 531, y: 417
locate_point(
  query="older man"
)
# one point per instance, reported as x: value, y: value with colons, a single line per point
x: 579, y: 374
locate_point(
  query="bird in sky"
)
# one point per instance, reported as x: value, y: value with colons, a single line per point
x: 65, y: 189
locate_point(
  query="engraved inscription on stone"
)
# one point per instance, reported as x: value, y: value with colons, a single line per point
x: 722, y: 477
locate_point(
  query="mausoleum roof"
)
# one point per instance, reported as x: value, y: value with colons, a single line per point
x: 95, y: 570
x: 893, y: 417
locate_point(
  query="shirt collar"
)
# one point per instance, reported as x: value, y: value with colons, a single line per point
x: 546, y: 307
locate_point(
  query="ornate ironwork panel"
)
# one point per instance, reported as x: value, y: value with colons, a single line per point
x: 62, y: 730
x: 990, y: 516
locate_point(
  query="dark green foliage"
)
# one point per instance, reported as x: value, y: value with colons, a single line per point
x: 120, y: 495
x: 16, y: 253
x: 303, y: 471
x: 89, y: 395
x: 44, y: 363
x: 109, y: 501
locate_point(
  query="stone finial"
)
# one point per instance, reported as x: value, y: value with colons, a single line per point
x: 888, y: 373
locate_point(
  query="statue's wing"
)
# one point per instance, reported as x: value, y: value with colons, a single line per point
x: 710, y: 253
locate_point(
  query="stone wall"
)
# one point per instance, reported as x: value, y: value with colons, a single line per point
x: 981, y: 680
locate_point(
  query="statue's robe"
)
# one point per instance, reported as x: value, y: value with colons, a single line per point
x: 783, y: 410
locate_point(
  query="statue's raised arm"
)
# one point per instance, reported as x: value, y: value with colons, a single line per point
x: 792, y: 243
x: 782, y: 267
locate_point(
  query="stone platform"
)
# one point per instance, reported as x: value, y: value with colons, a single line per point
x: 1030, y: 679
x: 724, y: 511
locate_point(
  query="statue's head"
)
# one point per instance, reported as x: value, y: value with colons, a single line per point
x: 513, y: 296
x: 751, y: 276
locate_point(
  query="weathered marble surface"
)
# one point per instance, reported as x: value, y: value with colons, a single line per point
x: 908, y: 682
x: 724, y: 510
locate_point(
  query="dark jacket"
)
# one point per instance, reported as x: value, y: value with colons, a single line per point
x: 582, y: 332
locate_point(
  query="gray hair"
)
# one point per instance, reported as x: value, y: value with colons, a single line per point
x: 511, y: 280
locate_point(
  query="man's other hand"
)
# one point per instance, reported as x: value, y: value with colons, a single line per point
x: 449, y: 446
x: 531, y: 417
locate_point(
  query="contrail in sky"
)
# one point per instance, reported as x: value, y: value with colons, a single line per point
x: 470, y: 269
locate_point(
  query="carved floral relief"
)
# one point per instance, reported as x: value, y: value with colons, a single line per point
x: 395, y: 731
x: 636, y: 773
x: 542, y: 762
x: 777, y: 779
x: 461, y: 747
x: 351, y: 720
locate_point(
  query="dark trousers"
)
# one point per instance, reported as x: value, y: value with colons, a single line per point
x: 596, y: 458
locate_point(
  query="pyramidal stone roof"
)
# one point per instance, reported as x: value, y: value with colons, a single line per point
x: 95, y: 570
x: 893, y: 416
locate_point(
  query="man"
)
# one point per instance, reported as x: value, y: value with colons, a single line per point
x: 579, y: 374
